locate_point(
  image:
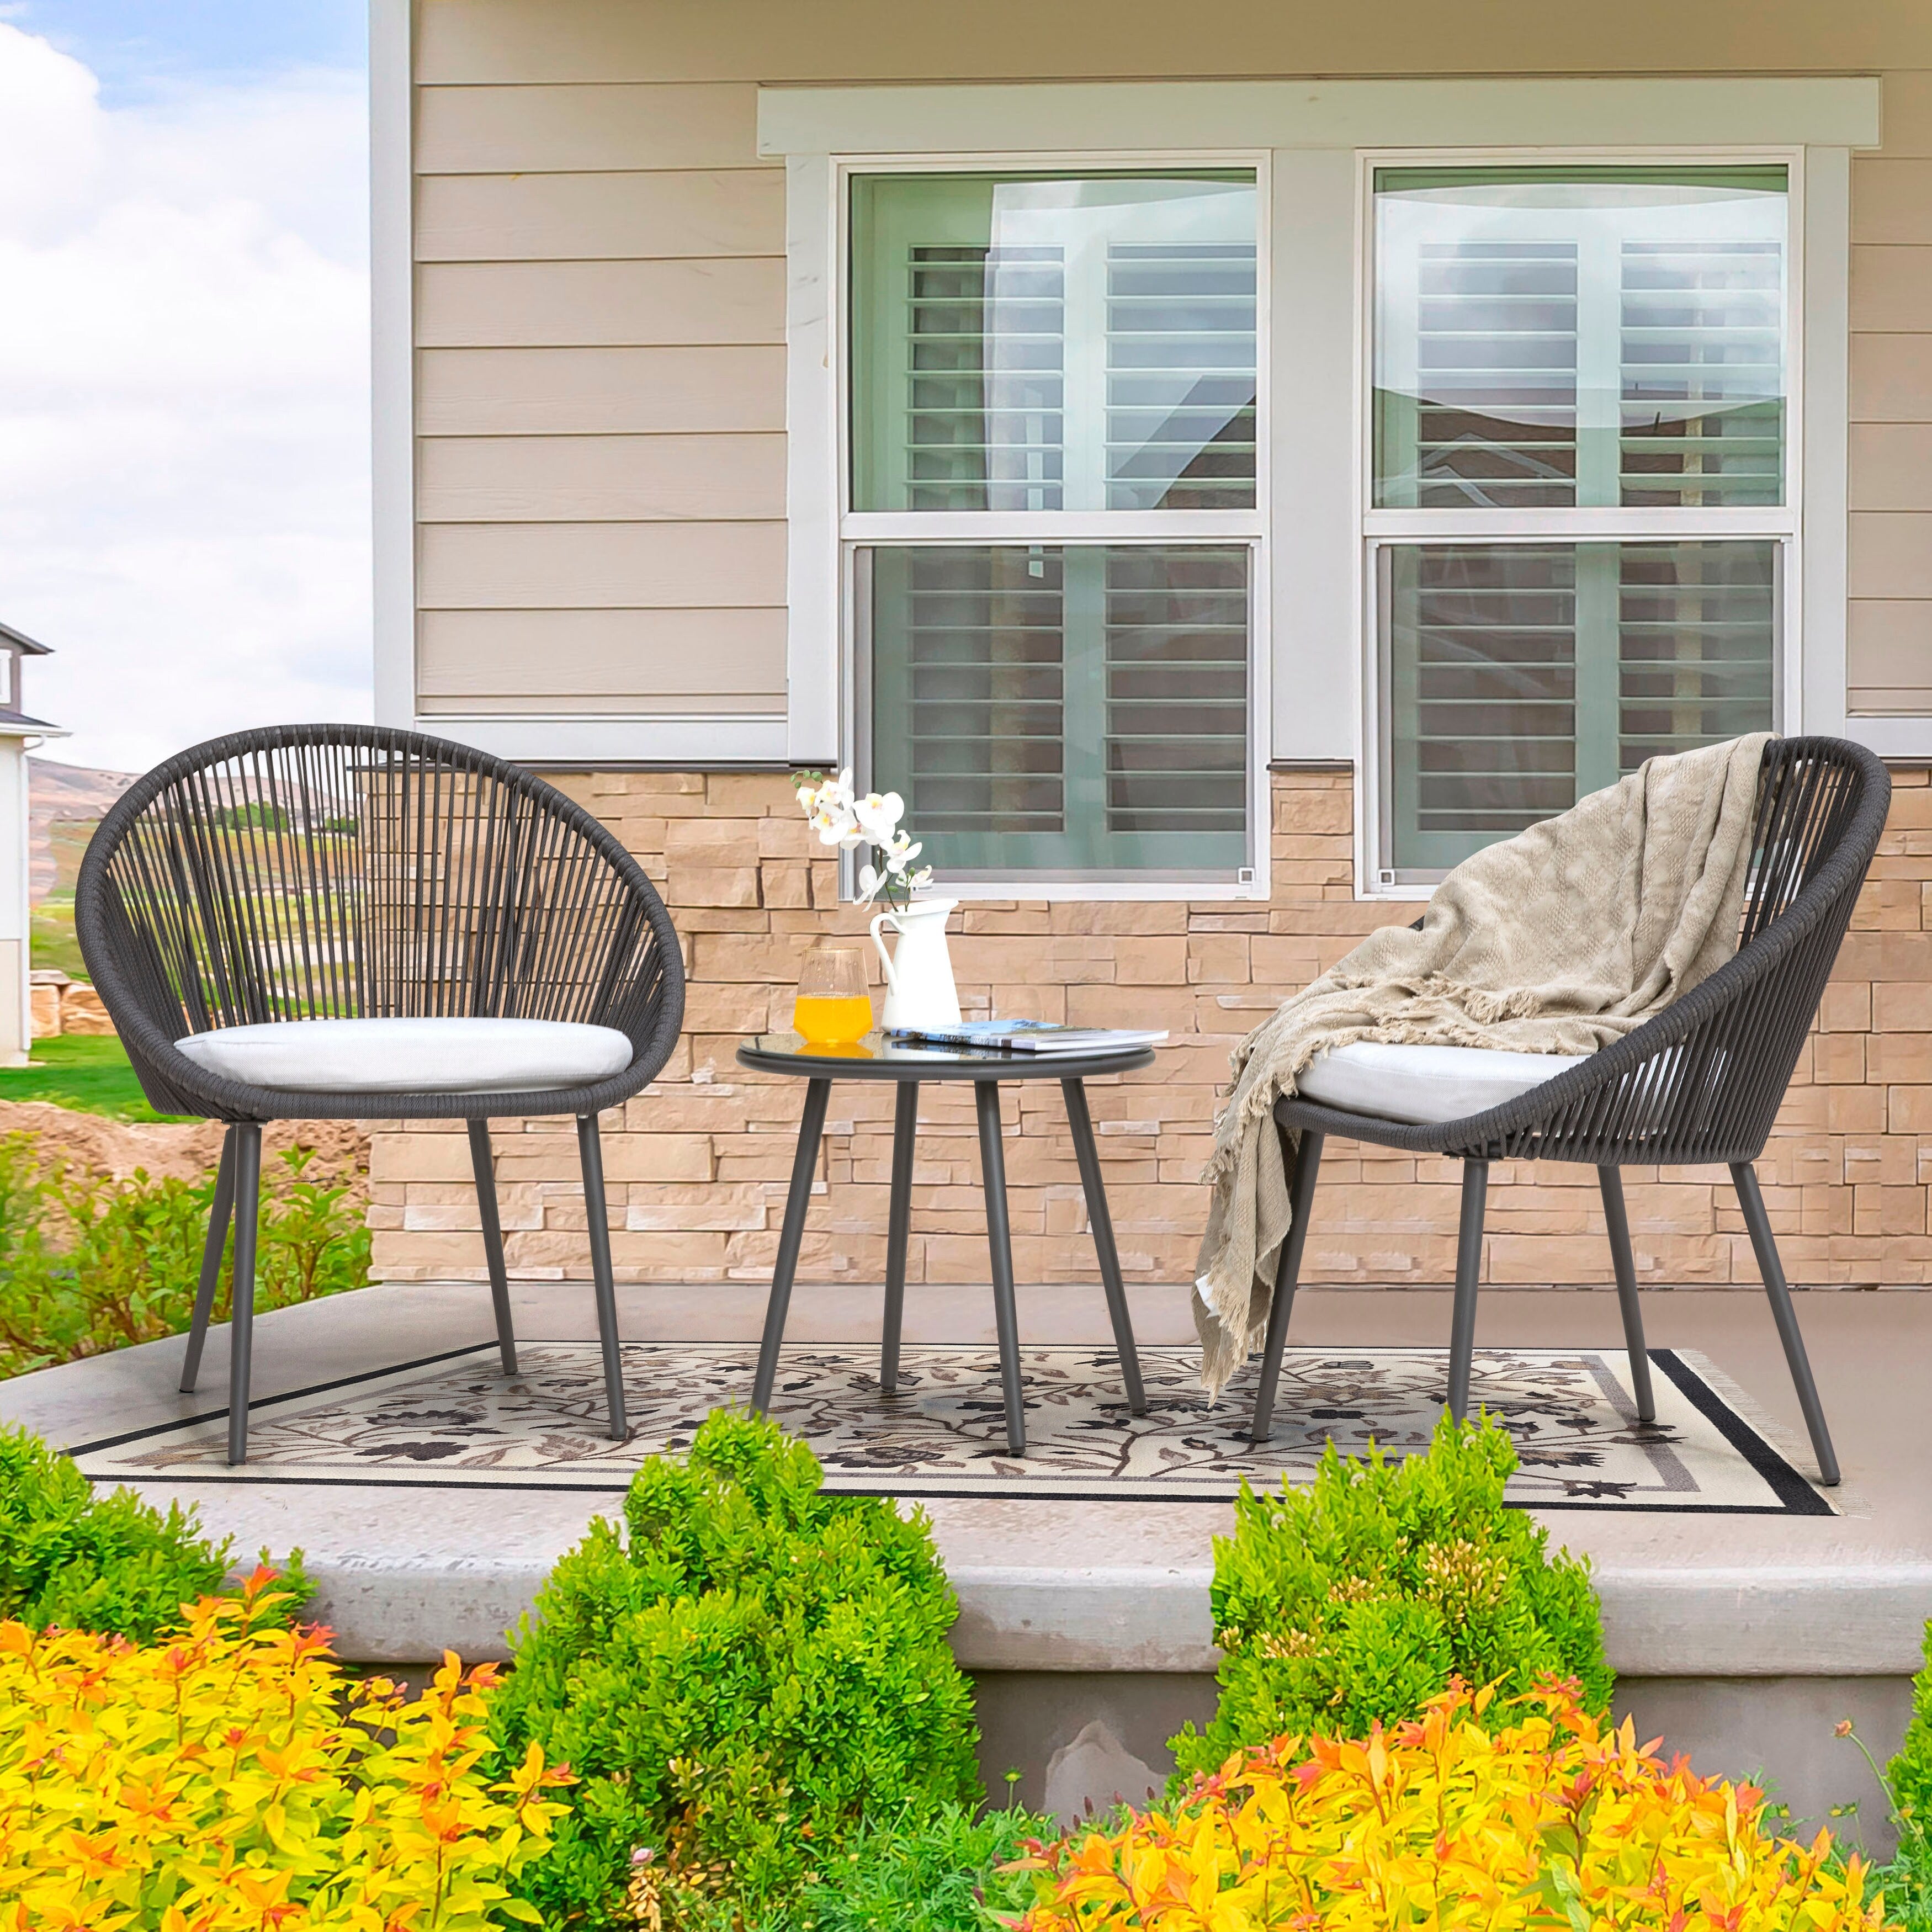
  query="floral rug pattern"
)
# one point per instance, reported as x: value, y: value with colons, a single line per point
x: 457, y: 1421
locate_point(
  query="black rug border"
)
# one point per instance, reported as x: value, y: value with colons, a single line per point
x: 1797, y: 1496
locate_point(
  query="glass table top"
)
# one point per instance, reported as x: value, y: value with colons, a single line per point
x: 875, y: 1056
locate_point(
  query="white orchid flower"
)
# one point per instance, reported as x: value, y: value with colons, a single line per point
x: 871, y: 879
x: 921, y: 879
x: 900, y: 854
x: 878, y: 814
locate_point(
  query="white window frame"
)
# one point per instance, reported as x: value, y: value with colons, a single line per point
x: 1779, y: 523
x: 856, y: 528
x: 1322, y: 137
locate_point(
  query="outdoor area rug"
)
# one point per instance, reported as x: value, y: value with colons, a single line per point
x: 457, y: 1421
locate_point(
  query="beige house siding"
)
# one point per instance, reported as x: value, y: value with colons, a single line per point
x: 600, y: 372
x: 600, y: 304
x: 1889, y: 640
x: 600, y: 409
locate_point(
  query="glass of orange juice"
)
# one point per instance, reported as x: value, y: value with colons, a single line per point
x: 833, y: 1009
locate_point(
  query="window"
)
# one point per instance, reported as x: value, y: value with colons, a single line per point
x: 1578, y: 514
x: 1054, y: 518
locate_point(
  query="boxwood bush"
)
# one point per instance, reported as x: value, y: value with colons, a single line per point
x: 1356, y: 1599
x: 108, y: 1563
x: 739, y: 1678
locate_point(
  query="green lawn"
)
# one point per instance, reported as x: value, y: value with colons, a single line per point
x: 54, y: 943
x: 86, y: 1071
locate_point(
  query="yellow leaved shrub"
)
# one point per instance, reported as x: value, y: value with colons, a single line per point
x: 238, y: 1777
x: 1482, y: 1813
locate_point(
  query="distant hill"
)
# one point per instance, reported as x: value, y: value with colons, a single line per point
x: 64, y: 803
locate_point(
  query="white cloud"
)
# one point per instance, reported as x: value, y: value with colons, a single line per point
x: 183, y: 412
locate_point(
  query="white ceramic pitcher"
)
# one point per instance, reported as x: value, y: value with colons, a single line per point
x: 919, y: 991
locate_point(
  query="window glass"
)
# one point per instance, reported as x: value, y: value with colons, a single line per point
x: 1053, y: 343
x: 1522, y: 675
x: 1080, y: 708
x: 1030, y: 349
x: 1559, y: 337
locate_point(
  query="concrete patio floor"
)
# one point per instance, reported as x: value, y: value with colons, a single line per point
x: 1742, y: 1638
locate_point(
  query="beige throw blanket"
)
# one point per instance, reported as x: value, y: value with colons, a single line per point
x: 1559, y: 941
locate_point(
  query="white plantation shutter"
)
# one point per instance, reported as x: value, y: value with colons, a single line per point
x: 1550, y: 342
x: 1702, y: 372
x: 1176, y: 659
x: 977, y: 702
x: 1035, y: 348
x: 1485, y: 666
x: 1180, y: 375
x: 1697, y: 626
x: 1081, y: 706
x: 1494, y: 417
x: 984, y: 419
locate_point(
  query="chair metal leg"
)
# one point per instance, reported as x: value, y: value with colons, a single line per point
x: 493, y: 1241
x: 1744, y: 1176
x: 1081, y: 1122
x: 1287, y: 1271
x: 220, y: 1211
x: 590, y: 1158
x: 804, y: 1162
x: 1468, y: 1280
x: 898, y: 1230
x: 247, y: 1139
x: 999, y: 1242
x: 1617, y: 1221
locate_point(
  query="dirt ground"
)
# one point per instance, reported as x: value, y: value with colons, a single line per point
x: 184, y: 1151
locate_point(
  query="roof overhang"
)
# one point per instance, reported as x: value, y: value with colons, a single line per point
x: 19, y: 640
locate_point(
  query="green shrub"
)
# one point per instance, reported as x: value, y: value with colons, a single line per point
x: 1357, y: 1598
x: 748, y: 1672
x: 109, y: 1564
x: 88, y: 1264
x: 1909, y: 1776
x: 1907, y: 1781
x: 938, y: 1874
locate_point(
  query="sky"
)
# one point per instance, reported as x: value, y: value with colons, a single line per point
x: 183, y: 366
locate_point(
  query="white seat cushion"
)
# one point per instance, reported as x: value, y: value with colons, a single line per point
x: 412, y: 1056
x: 1424, y: 1085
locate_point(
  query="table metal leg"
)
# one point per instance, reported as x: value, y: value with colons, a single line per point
x: 1088, y: 1156
x: 898, y: 1230
x: 804, y: 1164
x: 999, y: 1242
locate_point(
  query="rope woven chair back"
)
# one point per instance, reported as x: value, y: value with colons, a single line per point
x: 336, y: 872
x: 1706, y: 1082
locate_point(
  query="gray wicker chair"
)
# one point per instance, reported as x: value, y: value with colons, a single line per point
x: 1699, y: 1084
x: 339, y: 871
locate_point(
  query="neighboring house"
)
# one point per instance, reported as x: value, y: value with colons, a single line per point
x: 17, y: 731
x: 1222, y: 463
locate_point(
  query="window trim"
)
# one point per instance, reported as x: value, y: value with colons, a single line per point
x: 852, y: 530
x: 1314, y: 130
x: 1781, y: 524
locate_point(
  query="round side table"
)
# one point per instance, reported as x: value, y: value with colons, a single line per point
x: 876, y: 1057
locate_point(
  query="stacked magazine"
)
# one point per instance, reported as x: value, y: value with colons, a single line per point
x: 1031, y: 1037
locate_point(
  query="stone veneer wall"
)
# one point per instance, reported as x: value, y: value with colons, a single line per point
x: 698, y: 1165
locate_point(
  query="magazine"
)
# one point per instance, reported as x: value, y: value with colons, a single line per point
x: 1032, y: 1036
